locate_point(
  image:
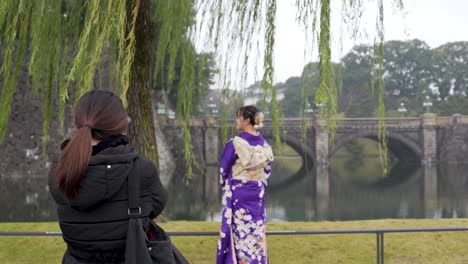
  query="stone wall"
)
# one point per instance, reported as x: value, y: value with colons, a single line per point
x: 203, y: 187
x: 21, y: 149
x: 452, y: 143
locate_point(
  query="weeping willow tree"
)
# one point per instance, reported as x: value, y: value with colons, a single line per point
x: 66, y: 43
x: 69, y: 45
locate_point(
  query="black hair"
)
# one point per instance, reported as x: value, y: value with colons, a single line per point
x: 248, y: 112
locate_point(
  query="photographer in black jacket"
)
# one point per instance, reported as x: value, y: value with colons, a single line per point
x: 89, y: 182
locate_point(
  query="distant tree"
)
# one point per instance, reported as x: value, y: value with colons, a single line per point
x: 412, y: 71
x: 407, y: 68
x: 450, y: 69
x: 454, y: 104
x: 362, y: 108
x: 292, y: 100
x: 356, y: 78
x: 407, y: 73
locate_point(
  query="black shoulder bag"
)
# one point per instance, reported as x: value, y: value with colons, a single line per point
x: 139, y: 248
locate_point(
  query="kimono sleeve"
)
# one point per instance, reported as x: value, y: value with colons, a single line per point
x: 228, y: 158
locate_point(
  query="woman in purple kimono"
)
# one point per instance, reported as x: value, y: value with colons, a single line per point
x: 245, y: 168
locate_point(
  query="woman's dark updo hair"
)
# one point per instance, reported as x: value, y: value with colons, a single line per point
x: 251, y: 113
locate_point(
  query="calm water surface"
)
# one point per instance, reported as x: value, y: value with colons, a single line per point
x: 349, y: 189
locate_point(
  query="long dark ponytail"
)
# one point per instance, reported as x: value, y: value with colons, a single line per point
x: 98, y: 114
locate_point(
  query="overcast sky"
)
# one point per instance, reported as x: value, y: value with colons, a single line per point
x: 433, y: 21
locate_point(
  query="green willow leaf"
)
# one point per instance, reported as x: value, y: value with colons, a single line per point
x: 16, y: 30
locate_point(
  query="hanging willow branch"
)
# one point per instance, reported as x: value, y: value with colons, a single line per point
x: 382, y: 134
x: 326, y: 92
x: 66, y: 42
x: 240, y: 32
x: 16, y: 31
x: 70, y: 32
x: 68, y: 39
x: 184, y: 105
x: 85, y: 47
x: 128, y: 54
x: 268, y: 66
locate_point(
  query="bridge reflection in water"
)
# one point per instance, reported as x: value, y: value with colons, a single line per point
x: 319, y: 193
x: 408, y: 192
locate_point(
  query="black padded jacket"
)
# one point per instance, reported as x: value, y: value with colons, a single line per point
x: 94, y: 224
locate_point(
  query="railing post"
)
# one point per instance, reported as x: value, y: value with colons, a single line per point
x: 377, y: 247
x: 380, y: 247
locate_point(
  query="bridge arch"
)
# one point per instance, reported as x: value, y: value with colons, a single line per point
x: 298, y: 145
x: 304, y: 150
x: 398, y: 143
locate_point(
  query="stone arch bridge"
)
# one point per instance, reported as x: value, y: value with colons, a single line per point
x: 412, y: 139
x: 424, y: 139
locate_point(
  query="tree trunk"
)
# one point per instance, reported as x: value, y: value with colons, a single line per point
x: 141, y: 130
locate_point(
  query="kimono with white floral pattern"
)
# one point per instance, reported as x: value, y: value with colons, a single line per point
x: 245, y: 168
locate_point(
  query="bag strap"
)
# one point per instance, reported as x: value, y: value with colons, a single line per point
x: 133, y: 181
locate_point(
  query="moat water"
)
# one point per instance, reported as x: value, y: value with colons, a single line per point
x: 348, y: 189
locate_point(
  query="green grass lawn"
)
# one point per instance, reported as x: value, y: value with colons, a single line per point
x: 399, y: 248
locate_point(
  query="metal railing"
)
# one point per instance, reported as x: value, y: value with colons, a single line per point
x: 404, y: 122
x: 378, y: 232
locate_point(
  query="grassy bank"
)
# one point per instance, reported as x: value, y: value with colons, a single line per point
x: 399, y: 248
